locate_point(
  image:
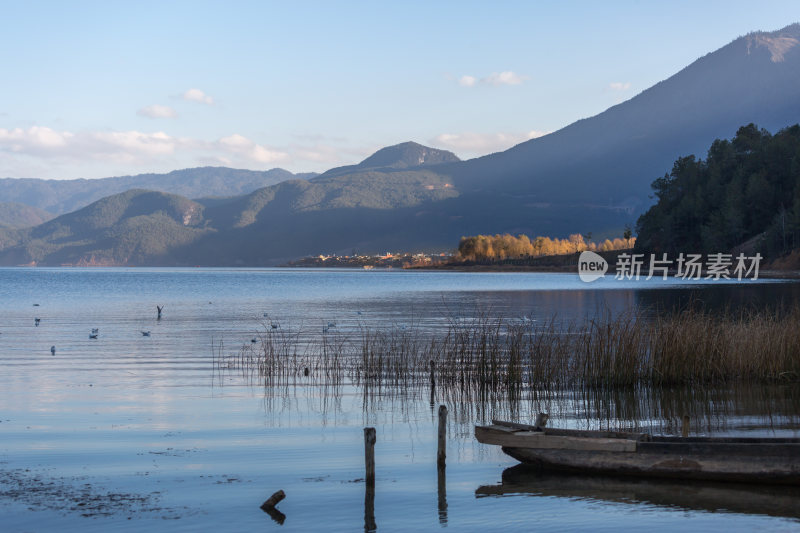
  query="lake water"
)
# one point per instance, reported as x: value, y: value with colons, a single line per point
x: 133, y: 432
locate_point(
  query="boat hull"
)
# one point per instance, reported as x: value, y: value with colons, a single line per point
x: 746, y: 469
x: 748, y: 460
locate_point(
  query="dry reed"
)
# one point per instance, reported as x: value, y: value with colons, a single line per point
x: 488, y: 354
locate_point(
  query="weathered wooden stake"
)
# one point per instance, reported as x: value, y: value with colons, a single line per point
x: 369, y: 493
x: 685, y: 426
x: 541, y: 420
x: 159, y: 308
x: 369, y: 455
x: 442, y: 448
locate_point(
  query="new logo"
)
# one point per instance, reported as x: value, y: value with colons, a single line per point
x: 591, y: 266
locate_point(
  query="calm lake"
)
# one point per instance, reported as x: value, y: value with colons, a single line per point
x: 143, y: 428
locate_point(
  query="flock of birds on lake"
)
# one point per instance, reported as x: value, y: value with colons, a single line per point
x: 331, y: 326
x: 95, y: 332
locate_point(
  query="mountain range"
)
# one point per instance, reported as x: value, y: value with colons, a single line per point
x: 593, y: 175
x: 63, y: 196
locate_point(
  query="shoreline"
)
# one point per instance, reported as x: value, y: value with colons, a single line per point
x: 763, y: 274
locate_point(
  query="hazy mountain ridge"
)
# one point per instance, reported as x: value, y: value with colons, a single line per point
x: 64, y: 196
x: 14, y: 215
x: 136, y: 227
x: 140, y: 227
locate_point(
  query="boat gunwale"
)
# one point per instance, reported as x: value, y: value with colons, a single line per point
x: 645, y: 438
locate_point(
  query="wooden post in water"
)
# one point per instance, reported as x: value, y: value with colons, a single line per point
x: 369, y: 494
x: 441, y: 454
x: 369, y: 455
x: 685, y: 426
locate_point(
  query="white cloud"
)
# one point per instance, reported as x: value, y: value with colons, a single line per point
x: 619, y: 85
x: 244, y: 147
x: 467, y: 81
x: 318, y: 153
x: 41, y: 151
x: 34, y: 138
x: 42, y: 144
x: 196, y: 95
x: 128, y: 145
x: 236, y: 142
x: 157, y: 111
x: 482, y: 143
x: 503, y: 78
x: 329, y: 151
x: 506, y: 77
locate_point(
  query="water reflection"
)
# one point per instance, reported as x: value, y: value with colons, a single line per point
x: 441, y: 491
x: 369, y: 509
x: 754, y: 410
x: 752, y: 297
x: 710, y: 410
x: 690, y: 496
x: 275, y: 514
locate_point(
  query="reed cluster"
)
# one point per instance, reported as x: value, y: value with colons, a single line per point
x: 689, y: 347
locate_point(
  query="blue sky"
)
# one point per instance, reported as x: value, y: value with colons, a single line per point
x: 95, y: 89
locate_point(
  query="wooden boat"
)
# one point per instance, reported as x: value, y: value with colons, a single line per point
x: 749, y: 460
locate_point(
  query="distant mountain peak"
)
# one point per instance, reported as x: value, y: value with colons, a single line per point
x: 408, y: 154
x: 777, y: 42
x: 399, y: 156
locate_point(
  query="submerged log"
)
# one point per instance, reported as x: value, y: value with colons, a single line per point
x: 273, y: 500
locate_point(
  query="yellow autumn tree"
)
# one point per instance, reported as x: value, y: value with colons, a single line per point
x: 500, y: 247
